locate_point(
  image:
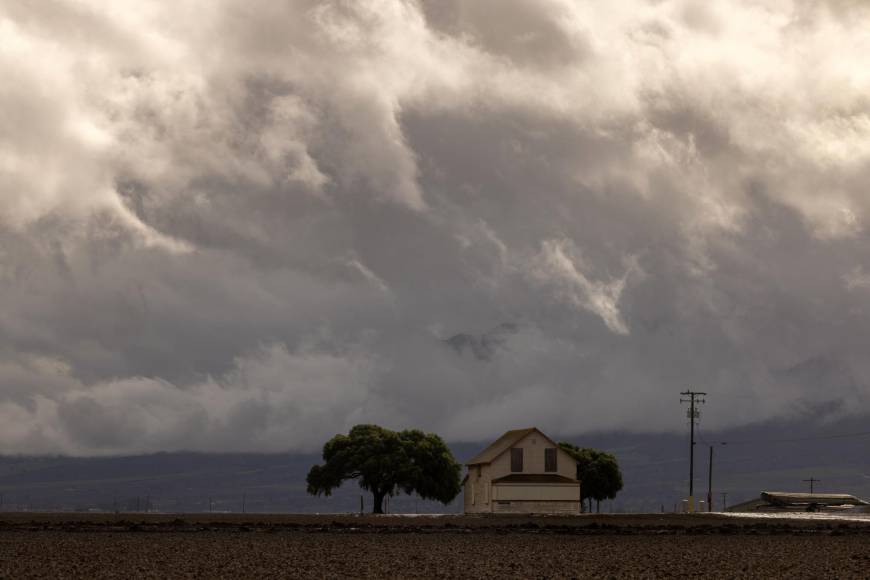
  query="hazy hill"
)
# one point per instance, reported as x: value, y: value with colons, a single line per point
x: 655, y: 468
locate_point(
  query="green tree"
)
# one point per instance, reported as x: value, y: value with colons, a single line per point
x: 598, y: 472
x: 385, y: 462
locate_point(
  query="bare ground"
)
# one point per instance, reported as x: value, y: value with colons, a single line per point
x: 237, y: 546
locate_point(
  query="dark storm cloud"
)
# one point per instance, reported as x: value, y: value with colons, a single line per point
x: 239, y: 227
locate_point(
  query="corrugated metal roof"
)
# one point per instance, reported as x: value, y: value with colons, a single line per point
x: 789, y: 498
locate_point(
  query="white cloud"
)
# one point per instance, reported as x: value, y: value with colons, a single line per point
x: 856, y: 279
x: 271, y: 400
x: 560, y: 267
x: 185, y: 182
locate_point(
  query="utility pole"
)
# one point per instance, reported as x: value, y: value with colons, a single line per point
x: 724, y: 497
x: 694, y: 397
x: 710, y: 478
x: 811, y: 481
x: 710, y: 482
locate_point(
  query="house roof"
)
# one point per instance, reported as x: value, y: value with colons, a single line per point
x: 534, y: 478
x: 787, y: 498
x: 502, y: 444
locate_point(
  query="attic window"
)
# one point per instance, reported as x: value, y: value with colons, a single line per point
x: 550, y: 459
x: 516, y: 459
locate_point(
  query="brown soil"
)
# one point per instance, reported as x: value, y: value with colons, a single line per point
x: 127, y: 546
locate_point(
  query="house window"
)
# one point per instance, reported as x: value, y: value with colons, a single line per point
x: 516, y: 459
x: 550, y: 459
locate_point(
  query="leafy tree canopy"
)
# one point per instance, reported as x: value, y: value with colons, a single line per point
x: 598, y: 472
x: 385, y: 462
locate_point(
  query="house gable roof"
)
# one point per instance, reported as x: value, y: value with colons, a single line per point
x: 504, y: 443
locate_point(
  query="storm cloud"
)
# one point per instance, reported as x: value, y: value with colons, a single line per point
x: 236, y: 226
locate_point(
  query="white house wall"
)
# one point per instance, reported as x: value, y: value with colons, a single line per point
x: 533, y: 446
x: 478, y: 489
x: 533, y: 492
x: 536, y: 507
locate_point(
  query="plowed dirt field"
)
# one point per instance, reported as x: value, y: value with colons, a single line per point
x: 254, y: 546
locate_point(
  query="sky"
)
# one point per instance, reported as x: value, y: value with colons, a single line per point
x: 247, y: 226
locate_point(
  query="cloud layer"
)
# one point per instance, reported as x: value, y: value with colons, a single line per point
x: 229, y: 226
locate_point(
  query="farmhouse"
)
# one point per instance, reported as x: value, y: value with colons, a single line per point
x: 523, y: 471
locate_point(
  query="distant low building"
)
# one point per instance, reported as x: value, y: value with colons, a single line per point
x: 523, y: 471
x: 774, y: 501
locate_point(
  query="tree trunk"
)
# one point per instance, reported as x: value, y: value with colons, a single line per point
x: 378, y: 504
x: 597, y: 506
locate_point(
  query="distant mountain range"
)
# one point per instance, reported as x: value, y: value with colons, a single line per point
x: 774, y: 456
x: 655, y: 468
